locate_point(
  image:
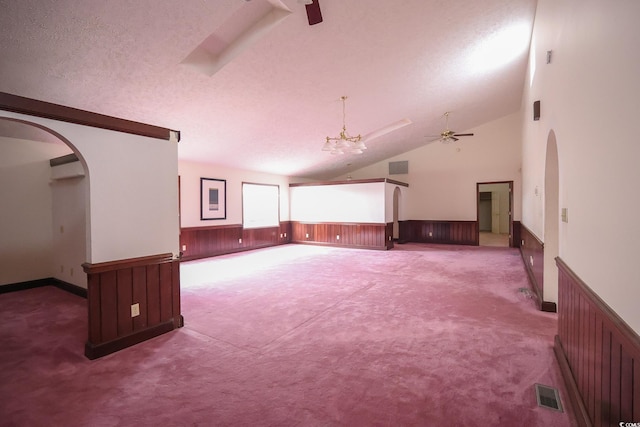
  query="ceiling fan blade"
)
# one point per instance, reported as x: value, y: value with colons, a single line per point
x: 313, y: 13
x: 462, y: 134
x: 455, y: 139
x: 387, y: 129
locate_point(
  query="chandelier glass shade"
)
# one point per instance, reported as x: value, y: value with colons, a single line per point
x: 344, y: 143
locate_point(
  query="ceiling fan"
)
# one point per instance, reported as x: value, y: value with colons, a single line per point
x: 447, y: 136
x: 313, y: 11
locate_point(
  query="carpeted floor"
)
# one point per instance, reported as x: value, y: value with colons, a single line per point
x: 428, y: 335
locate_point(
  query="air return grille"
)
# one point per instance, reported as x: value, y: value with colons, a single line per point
x: 548, y: 397
x: 399, y: 168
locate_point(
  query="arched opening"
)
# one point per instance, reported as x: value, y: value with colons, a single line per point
x: 47, y: 223
x: 396, y: 213
x: 551, y: 220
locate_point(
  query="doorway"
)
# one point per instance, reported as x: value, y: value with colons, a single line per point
x: 46, y: 232
x: 494, y: 213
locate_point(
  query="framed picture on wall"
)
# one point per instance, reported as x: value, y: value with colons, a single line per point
x: 213, y: 198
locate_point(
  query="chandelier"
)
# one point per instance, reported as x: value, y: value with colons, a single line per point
x: 344, y: 143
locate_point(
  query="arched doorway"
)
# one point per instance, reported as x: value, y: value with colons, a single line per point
x: 396, y: 213
x: 46, y: 223
x: 551, y: 220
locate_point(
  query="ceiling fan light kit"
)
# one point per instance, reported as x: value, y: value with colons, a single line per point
x: 448, y: 136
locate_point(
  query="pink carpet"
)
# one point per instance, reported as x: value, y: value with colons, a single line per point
x: 428, y: 335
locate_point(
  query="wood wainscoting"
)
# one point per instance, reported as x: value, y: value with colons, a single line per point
x: 532, y: 251
x: 353, y: 235
x: 152, y: 282
x: 448, y: 232
x: 204, y: 242
x: 598, y: 353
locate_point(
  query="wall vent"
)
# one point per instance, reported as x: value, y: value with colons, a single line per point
x: 548, y: 397
x: 399, y: 168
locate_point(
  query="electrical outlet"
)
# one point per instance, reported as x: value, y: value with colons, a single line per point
x: 240, y: 240
x: 522, y: 242
x: 184, y: 248
x: 281, y: 235
x: 431, y: 234
x: 135, y: 309
x: 285, y: 234
x: 307, y: 235
x: 337, y: 237
x: 531, y: 260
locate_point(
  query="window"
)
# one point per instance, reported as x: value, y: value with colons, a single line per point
x: 260, y: 205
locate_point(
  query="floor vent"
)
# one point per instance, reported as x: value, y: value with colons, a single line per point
x: 526, y: 292
x: 548, y: 397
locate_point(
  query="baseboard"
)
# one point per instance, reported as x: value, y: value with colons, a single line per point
x: 23, y: 286
x: 69, y: 287
x: 579, y: 410
x: 94, y: 351
x: 49, y: 281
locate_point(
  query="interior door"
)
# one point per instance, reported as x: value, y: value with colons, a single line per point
x: 495, y: 212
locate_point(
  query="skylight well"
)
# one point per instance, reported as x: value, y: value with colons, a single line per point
x: 500, y: 48
x: 246, y: 27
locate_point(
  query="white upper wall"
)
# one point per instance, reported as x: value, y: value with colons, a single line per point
x: 69, y: 196
x: 190, y: 174
x: 357, y: 202
x: 133, y: 186
x: 589, y: 99
x: 442, y: 178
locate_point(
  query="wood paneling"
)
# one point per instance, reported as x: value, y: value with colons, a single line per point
x: 517, y: 234
x: 113, y: 287
x: 365, y: 235
x: 203, y: 242
x: 449, y: 232
x: 599, y: 355
x: 388, y: 235
x: 532, y: 251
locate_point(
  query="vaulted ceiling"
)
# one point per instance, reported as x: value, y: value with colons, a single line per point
x: 251, y: 85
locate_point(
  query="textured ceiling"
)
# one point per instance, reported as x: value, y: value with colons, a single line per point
x: 276, y: 96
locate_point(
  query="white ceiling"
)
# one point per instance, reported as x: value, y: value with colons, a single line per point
x: 269, y: 106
